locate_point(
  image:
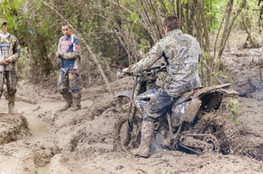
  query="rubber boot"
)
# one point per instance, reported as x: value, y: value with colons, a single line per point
x: 145, y: 146
x: 68, y: 99
x: 76, y: 102
x: 11, y: 104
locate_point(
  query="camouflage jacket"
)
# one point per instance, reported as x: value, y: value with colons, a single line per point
x: 9, y: 46
x: 70, y: 48
x: 182, y: 53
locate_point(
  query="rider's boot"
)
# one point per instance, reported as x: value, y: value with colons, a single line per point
x: 11, y: 104
x: 76, y: 102
x: 145, y: 146
x: 68, y: 98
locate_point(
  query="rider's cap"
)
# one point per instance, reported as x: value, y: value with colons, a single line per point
x: 3, y: 22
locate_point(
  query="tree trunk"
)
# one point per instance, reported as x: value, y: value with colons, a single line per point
x: 187, y: 17
x: 229, y: 24
x: 226, y: 26
x: 198, y: 29
x: 205, y: 28
x: 30, y: 54
x: 173, y: 6
x: 251, y: 42
x: 215, y: 44
x: 179, y: 6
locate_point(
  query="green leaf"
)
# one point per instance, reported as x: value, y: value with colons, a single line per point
x: 234, y: 101
x: 38, y: 5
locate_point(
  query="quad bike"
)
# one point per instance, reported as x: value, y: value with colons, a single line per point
x: 179, y: 127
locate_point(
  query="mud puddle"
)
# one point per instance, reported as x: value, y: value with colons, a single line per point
x: 40, y: 131
x: 37, y: 128
x: 44, y: 170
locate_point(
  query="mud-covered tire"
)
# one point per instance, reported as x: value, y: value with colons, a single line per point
x: 230, y: 135
x: 121, y: 119
x: 198, y: 143
x: 222, y: 127
x: 123, y: 137
x: 117, y: 137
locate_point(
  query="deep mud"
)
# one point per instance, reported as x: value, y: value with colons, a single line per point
x: 81, y: 142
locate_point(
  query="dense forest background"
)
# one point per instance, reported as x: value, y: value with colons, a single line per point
x: 116, y: 33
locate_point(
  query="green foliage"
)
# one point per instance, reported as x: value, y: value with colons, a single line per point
x: 234, y: 110
x: 117, y: 31
x: 210, y: 73
x: 214, y: 11
x: 144, y: 45
x: 12, y: 13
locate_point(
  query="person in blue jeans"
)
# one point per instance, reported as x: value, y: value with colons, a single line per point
x: 181, y: 53
x: 69, y: 52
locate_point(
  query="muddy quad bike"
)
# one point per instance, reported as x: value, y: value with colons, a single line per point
x: 176, y: 129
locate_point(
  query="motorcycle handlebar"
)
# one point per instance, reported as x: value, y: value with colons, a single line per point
x: 153, y: 69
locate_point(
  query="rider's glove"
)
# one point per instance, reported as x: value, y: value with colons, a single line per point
x: 59, y: 54
x: 124, y: 72
x: 3, y: 62
x: 128, y: 70
x: 10, y: 59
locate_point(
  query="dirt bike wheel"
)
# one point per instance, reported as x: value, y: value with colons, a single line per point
x: 127, y: 138
x: 199, y: 143
x: 221, y: 127
x: 124, y: 136
x: 212, y: 140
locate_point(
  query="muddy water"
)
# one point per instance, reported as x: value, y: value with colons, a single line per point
x: 44, y: 170
x: 39, y: 130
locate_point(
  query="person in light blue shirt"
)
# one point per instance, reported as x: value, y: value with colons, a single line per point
x: 69, y: 53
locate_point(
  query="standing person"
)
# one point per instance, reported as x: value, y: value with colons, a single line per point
x: 9, y: 53
x: 181, y: 53
x: 68, y: 83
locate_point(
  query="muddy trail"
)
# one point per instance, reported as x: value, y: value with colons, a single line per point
x: 41, y: 140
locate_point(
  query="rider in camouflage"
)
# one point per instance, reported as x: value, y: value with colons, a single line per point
x: 69, y: 53
x: 9, y: 53
x: 181, y: 53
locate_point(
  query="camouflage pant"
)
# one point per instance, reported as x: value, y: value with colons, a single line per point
x: 68, y: 81
x: 158, y: 105
x: 10, y: 79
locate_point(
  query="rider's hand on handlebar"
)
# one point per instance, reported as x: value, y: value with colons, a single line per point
x: 125, y: 70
